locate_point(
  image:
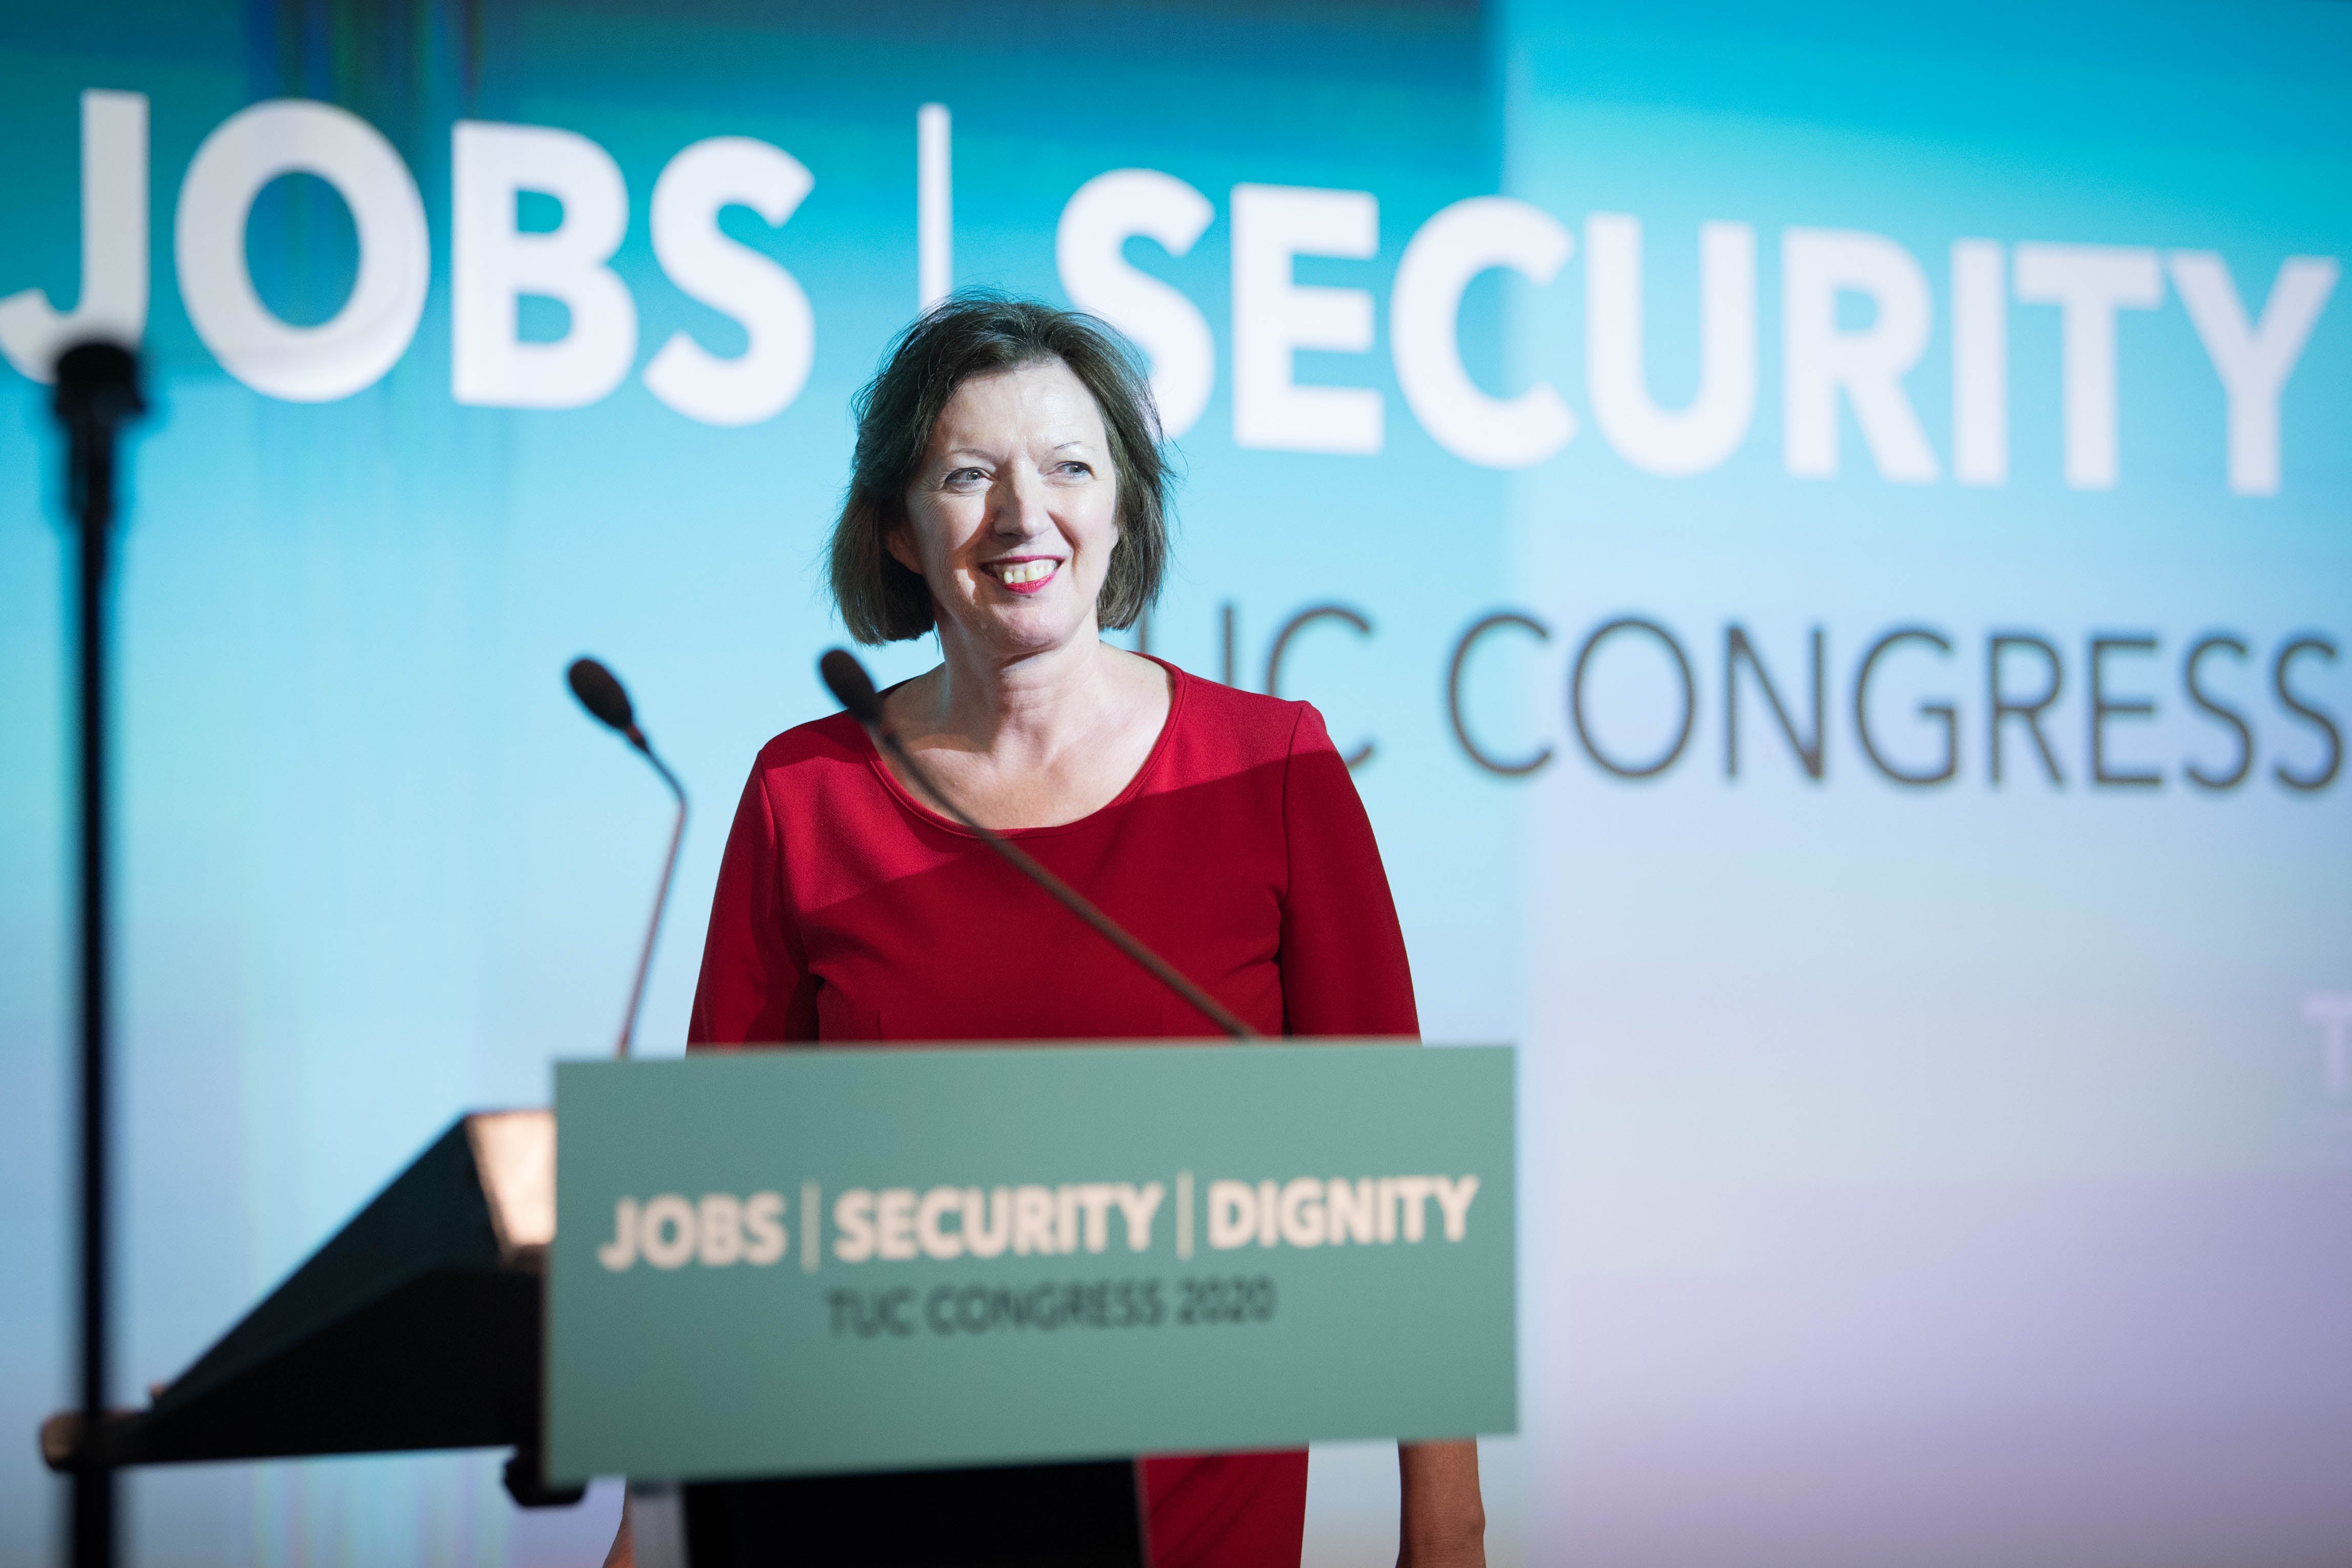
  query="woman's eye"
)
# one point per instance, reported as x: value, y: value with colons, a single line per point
x: 1075, y: 470
x: 966, y: 476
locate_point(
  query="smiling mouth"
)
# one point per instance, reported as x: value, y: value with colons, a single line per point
x: 1023, y: 576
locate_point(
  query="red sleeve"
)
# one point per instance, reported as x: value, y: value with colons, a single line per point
x: 1344, y: 970
x: 755, y: 988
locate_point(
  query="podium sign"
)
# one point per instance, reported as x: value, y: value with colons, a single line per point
x: 790, y: 1262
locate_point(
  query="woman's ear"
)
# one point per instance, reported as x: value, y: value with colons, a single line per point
x: 901, y: 547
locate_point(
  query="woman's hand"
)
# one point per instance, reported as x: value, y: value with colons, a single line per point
x: 1442, y: 1521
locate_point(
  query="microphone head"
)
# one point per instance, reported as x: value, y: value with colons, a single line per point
x: 97, y: 385
x: 600, y: 692
x: 850, y: 685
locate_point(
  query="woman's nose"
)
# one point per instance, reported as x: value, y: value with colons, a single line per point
x: 1020, y: 510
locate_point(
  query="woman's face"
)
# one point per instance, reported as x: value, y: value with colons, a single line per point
x: 1013, y: 514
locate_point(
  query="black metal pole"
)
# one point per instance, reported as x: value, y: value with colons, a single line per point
x: 661, y: 895
x: 93, y: 1526
x: 98, y: 390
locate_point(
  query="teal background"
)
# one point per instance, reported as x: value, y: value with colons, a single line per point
x: 1941, y: 1176
x: 702, y: 1371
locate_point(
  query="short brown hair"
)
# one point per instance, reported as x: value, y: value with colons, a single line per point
x: 979, y: 333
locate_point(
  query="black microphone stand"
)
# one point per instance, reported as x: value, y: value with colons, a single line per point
x: 97, y: 394
x: 661, y: 895
x: 607, y: 700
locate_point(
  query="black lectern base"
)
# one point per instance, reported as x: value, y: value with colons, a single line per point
x: 1038, y: 1516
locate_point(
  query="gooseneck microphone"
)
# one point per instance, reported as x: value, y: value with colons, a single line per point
x: 854, y: 689
x: 601, y: 693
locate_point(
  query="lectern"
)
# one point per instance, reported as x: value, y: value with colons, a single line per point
x: 418, y: 1326
x: 908, y: 1306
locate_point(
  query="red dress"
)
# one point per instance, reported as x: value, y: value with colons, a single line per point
x: 846, y: 911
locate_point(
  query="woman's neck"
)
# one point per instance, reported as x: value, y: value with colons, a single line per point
x: 1036, y: 739
x: 1031, y: 704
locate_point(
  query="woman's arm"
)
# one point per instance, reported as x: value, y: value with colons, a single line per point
x: 1442, y: 1521
x: 754, y: 985
x: 1344, y: 972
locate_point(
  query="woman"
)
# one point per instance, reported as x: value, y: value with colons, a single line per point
x: 1009, y: 494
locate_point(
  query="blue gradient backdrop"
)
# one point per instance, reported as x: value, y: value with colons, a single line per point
x: 1941, y: 1175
